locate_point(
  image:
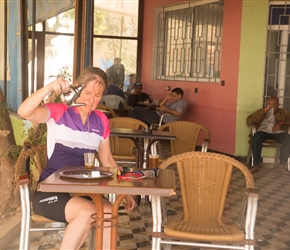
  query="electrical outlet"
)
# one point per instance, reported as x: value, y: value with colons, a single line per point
x: 168, y: 88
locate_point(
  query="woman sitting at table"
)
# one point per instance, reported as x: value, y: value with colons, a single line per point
x: 72, y: 131
x: 138, y: 98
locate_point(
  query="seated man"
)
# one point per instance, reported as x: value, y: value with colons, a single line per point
x: 138, y: 96
x: 113, y: 89
x: 174, y: 108
x: 130, y: 89
x: 274, y: 122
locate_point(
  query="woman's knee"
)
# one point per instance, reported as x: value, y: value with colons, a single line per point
x: 107, y: 206
x: 79, y: 207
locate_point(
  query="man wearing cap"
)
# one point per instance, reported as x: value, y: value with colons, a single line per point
x: 138, y: 97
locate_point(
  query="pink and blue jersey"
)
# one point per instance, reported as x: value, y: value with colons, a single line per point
x: 68, y: 138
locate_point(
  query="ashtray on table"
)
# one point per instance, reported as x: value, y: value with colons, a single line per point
x: 146, y: 130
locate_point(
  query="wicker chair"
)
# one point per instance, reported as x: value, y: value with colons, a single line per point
x: 105, y: 107
x: 186, y: 133
x: 204, y: 180
x: 28, y: 178
x: 122, y: 148
x: 30, y: 163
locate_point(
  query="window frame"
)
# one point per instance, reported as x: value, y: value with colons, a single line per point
x: 158, y: 61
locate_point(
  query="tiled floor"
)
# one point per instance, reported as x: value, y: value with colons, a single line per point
x: 272, y: 225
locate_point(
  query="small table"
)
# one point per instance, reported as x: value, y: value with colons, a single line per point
x: 138, y: 136
x: 164, y: 185
x: 148, y: 105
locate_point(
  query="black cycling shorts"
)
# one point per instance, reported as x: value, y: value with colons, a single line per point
x: 52, y: 205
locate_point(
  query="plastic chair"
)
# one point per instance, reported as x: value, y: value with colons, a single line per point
x: 122, y: 148
x: 114, y: 101
x: 28, y: 178
x: 186, y: 133
x: 204, y: 181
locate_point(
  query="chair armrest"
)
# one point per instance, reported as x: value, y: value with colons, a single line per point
x: 161, y: 119
x: 253, y: 129
x: 204, y: 145
x: 23, y: 179
x: 249, y: 206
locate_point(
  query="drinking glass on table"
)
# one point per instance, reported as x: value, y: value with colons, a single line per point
x: 89, y: 159
x: 153, y: 160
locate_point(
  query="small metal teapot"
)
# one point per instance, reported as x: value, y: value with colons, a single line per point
x: 69, y: 95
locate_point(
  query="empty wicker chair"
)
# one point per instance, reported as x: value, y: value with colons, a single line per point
x: 204, y: 181
x: 187, y: 134
x: 122, y: 148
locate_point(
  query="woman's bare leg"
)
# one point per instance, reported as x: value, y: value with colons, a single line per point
x: 78, y: 213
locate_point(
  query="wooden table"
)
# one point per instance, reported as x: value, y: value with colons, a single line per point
x: 164, y: 185
x: 137, y: 136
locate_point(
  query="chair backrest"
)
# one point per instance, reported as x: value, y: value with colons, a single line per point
x: 204, y: 179
x: 186, y: 133
x: 30, y: 163
x: 105, y: 107
x: 114, y: 101
x: 124, y: 146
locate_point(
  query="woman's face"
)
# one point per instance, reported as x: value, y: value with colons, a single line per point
x: 91, y: 95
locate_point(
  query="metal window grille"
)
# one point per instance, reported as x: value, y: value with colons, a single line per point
x: 277, y: 70
x: 189, y: 43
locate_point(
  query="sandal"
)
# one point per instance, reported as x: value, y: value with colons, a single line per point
x: 255, y: 168
x: 282, y: 170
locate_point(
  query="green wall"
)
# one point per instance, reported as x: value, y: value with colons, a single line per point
x: 20, y: 128
x: 251, y: 68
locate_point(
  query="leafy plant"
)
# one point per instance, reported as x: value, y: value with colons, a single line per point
x: 64, y: 73
x: 36, y: 136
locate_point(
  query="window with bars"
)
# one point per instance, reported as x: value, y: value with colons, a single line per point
x: 277, y: 70
x: 189, y: 40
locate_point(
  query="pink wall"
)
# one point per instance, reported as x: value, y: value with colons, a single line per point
x: 214, y: 106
